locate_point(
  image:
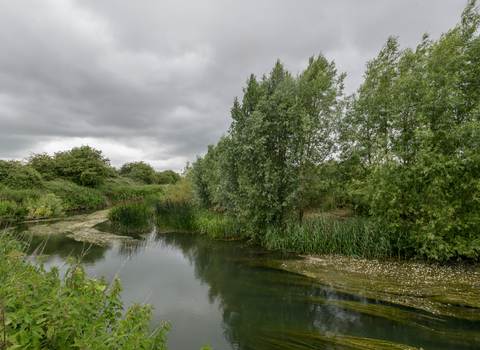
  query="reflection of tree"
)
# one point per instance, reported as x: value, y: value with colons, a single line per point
x: 63, y: 247
x: 254, y: 298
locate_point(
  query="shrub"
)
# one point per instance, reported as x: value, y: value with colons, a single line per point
x: 75, y: 196
x: 167, y: 177
x: 131, y: 217
x: 16, y: 175
x: 38, y: 310
x: 44, y: 164
x: 83, y: 165
x: 139, y: 171
x: 47, y: 206
x: 7, y: 210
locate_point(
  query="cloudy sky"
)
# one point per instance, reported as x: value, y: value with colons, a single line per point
x: 154, y: 80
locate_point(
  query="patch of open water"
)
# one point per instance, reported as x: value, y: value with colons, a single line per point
x: 224, y: 293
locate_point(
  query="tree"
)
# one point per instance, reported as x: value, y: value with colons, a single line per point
x: 167, y: 177
x: 83, y: 165
x: 280, y: 131
x: 139, y: 171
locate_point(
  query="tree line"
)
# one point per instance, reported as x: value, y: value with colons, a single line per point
x: 403, y: 150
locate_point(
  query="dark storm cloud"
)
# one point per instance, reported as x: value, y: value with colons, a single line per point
x: 155, y: 80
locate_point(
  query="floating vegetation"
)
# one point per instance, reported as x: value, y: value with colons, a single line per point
x: 389, y: 312
x: 287, y: 340
x: 131, y: 217
x: 80, y: 228
x: 446, y: 290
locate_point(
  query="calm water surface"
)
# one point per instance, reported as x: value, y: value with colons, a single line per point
x: 215, y: 292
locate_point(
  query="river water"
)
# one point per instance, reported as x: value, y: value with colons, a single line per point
x: 221, y: 293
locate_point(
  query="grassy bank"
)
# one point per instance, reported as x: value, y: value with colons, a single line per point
x: 17, y: 204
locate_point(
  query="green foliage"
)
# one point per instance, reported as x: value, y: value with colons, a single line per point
x: 176, y: 215
x: 167, y: 177
x: 18, y: 176
x: 414, y: 127
x: 38, y: 310
x: 139, y: 171
x: 83, y: 165
x: 75, y: 196
x: 353, y: 237
x: 44, y: 164
x: 216, y: 225
x: 131, y: 217
x: 262, y: 170
x: 7, y: 210
x: 46, y: 206
x: 119, y: 193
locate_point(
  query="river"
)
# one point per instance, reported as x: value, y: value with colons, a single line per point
x: 230, y: 295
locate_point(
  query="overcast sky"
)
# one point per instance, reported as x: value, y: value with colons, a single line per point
x: 155, y: 80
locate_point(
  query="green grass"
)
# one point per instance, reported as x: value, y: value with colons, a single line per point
x: 184, y: 217
x: 75, y: 196
x: 176, y: 215
x: 116, y: 192
x: 132, y: 217
x: 357, y: 237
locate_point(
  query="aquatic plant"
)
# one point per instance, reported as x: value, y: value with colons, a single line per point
x: 176, y: 215
x: 216, y: 225
x: 356, y: 237
x: 132, y: 217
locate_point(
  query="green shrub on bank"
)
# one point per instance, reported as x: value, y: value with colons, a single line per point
x: 75, y: 196
x: 47, y: 206
x: 132, y: 217
x: 38, y: 310
x: 18, y: 176
x: 357, y: 237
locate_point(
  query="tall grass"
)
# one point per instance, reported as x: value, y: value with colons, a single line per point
x: 216, y: 225
x: 118, y: 193
x: 183, y: 216
x: 176, y: 215
x: 357, y: 237
x: 75, y: 196
x: 132, y: 217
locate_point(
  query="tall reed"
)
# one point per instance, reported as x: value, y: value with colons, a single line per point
x: 357, y: 237
x: 132, y: 217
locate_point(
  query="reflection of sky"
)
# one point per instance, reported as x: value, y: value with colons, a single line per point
x: 211, y: 293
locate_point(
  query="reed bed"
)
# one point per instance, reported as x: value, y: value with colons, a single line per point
x: 357, y: 237
x: 132, y: 217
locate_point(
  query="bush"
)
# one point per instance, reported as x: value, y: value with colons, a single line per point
x: 38, y: 310
x: 167, y: 177
x: 118, y: 193
x: 47, y: 206
x: 83, y: 165
x: 7, y: 210
x: 131, y: 217
x: 44, y: 164
x: 75, y: 196
x: 139, y: 171
x: 16, y: 175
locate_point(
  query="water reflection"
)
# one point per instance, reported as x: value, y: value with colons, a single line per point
x: 223, y: 293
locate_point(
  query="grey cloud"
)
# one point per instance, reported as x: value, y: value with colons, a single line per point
x: 160, y: 77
